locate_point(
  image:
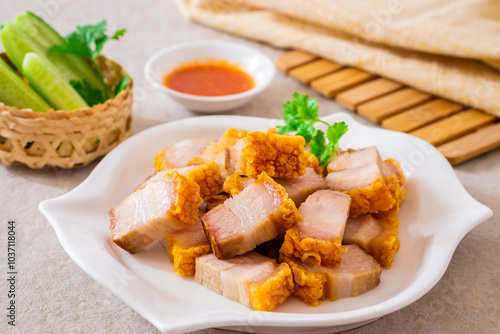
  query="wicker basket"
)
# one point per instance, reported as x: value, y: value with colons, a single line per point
x: 67, y: 139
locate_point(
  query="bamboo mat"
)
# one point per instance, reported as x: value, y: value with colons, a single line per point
x: 458, y: 132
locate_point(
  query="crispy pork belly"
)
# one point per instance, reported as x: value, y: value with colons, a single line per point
x: 216, y: 151
x: 299, y: 188
x: 235, y: 183
x: 179, y: 154
x: 216, y: 200
x: 317, y: 238
x: 358, y: 273
x: 185, y: 246
x: 258, y: 214
x: 313, y: 162
x: 208, y: 176
x: 252, y: 279
x: 277, y: 155
x: 395, y: 181
x: 379, y: 237
x: 359, y: 173
x: 160, y: 207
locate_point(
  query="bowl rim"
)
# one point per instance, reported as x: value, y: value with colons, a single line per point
x: 224, y: 98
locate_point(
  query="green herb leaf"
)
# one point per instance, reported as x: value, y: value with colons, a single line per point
x: 88, y: 41
x: 318, y: 143
x: 122, y: 84
x: 91, y: 96
x: 300, y: 115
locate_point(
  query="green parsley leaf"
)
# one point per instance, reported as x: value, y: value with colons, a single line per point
x: 300, y: 116
x: 318, y: 143
x: 88, y: 41
x: 122, y: 84
x: 91, y: 96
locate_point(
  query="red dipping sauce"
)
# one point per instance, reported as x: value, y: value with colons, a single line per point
x: 210, y: 78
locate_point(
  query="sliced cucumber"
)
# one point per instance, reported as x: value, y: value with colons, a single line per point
x: 15, y: 92
x: 46, y: 81
x: 17, y: 44
x: 47, y: 37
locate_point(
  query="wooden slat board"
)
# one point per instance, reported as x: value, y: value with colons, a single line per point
x: 421, y: 115
x: 458, y: 134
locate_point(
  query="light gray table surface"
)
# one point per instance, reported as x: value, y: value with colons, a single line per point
x: 56, y: 296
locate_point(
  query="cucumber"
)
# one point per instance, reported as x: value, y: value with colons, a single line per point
x: 17, y: 44
x: 46, y: 81
x: 47, y: 37
x: 15, y: 92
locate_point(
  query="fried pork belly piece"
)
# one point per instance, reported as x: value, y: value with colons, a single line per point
x: 258, y: 214
x: 208, y: 176
x: 379, y: 237
x: 277, y: 155
x: 359, y: 173
x: 313, y: 162
x: 216, y: 200
x: 161, y: 206
x: 317, y: 238
x: 179, y: 154
x: 234, y: 184
x: 395, y: 180
x: 216, y: 151
x: 252, y: 279
x: 299, y: 188
x: 185, y: 246
x: 358, y: 273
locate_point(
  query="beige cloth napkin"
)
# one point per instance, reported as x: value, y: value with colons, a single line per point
x: 447, y: 48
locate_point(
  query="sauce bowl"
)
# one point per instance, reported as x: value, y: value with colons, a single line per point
x: 254, y: 62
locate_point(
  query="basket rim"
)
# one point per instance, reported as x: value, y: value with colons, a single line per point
x: 29, y: 113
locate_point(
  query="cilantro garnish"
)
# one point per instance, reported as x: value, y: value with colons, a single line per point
x: 91, y: 96
x: 300, y: 116
x: 87, y: 42
x: 122, y: 84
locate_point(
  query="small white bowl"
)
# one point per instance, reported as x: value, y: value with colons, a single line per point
x: 254, y: 62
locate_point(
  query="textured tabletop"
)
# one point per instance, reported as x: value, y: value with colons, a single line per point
x: 55, y: 296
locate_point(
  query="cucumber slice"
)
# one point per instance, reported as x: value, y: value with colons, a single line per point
x: 15, y: 92
x: 47, y: 83
x: 47, y: 37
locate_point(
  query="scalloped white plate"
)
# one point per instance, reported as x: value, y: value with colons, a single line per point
x: 436, y: 215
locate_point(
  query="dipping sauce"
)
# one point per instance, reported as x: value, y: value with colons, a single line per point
x: 209, y: 78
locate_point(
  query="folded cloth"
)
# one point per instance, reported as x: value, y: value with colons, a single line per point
x: 446, y: 48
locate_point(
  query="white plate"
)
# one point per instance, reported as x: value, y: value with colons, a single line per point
x: 435, y: 216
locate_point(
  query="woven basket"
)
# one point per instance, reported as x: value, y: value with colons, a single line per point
x: 67, y: 139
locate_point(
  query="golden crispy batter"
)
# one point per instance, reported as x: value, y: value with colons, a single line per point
x: 385, y: 247
x: 266, y: 295
x: 308, y: 286
x: 160, y: 163
x: 310, y: 250
x: 277, y: 155
x: 397, y: 194
x: 373, y: 198
x: 187, y: 198
x: 235, y: 183
x: 395, y: 181
x: 313, y: 162
x: 208, y: 177
x: 184, y: 259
